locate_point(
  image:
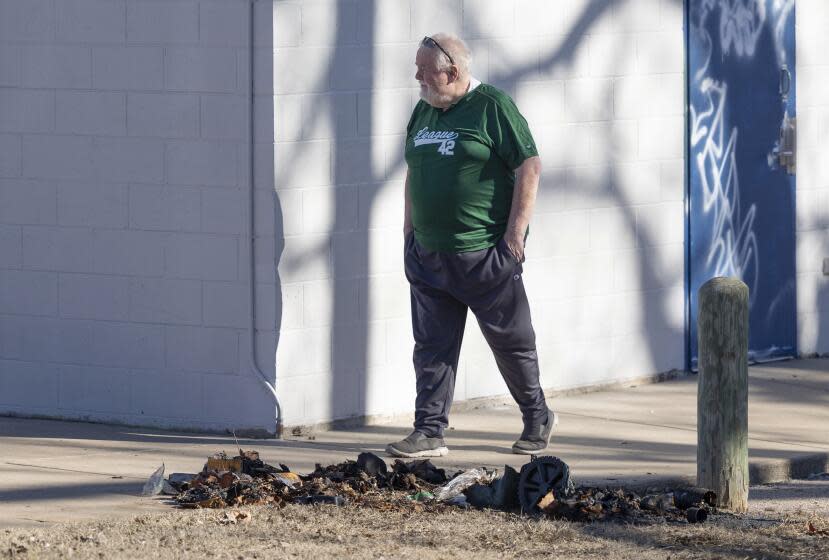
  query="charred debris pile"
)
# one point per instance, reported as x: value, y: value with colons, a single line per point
x: 542, y: 488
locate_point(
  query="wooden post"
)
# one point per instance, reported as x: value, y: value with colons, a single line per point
x: 722, y: 396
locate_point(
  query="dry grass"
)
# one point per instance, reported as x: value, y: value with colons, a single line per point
x: 327, y: 531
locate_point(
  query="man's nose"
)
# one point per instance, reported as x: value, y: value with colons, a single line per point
x: 418, y: 75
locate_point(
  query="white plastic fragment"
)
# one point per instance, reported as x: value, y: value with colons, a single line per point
x: 155, y: 483
x: 459, y: 484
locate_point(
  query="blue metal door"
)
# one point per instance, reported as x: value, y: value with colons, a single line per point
x: 741, y: 94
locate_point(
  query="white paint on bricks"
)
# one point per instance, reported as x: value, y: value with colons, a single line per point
x: 11, y: 246
x: 94, y: 113
x: 128, y: 252
x: 148, y: 194
x: 163, y: 114
x: 165, y: 301
x: 812, y: 221
x: 32, y: 21
x: 51, y: 66
x: 134, y: 68
x: 58, y: 157
x: 94, y: 297
x: 224, y: 116
x: 222, y: 211
x: 91, y: 204
x: 27, y: 110
x: 25, y: 292
x: 222, y: 24
x: 162, y: 22
x: 29, y: 385
x: 10, y: 156
x: 203, y: 69
x: 210, y: 163
x: 91, y: 21
x: 94, y: 389
x: 126, y: 345
x: 57, y: 249
x: 167, y: 208
x: 201, y: 349
x: 201, y: 256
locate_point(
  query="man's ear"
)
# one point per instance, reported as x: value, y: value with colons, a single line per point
x: 453, y: 73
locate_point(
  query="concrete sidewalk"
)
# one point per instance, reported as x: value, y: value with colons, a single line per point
x: 54, y: 471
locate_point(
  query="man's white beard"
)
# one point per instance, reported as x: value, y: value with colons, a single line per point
x: 428, y: 95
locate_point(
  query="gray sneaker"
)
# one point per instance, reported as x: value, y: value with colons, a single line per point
x: 417, y: 444
x: 538, y: 439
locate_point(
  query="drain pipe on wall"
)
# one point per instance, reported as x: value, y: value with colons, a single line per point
x: 251, y: 233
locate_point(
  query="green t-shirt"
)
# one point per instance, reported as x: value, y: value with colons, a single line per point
x: 461, y: 169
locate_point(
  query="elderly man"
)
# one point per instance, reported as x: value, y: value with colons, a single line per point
x: 473, y: 172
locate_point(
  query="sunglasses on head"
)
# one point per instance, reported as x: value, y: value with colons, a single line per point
x: 429, y: 42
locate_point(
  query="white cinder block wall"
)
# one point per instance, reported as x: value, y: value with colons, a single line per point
x: 123, y: 188
x: 123, y: 177
x: 812, y: 175
x: 601, y: 84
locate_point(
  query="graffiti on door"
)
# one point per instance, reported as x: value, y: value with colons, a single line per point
x: 728, y: 40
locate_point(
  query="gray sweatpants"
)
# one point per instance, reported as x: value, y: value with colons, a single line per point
x: 443, y: 287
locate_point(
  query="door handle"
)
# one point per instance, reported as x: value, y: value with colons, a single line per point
x: 785, y: 81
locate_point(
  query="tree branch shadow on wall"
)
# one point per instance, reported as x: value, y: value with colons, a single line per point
x: 655, y: 313
x: 348, y: 246
x: 350, y: 237
x: 655, y: 316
